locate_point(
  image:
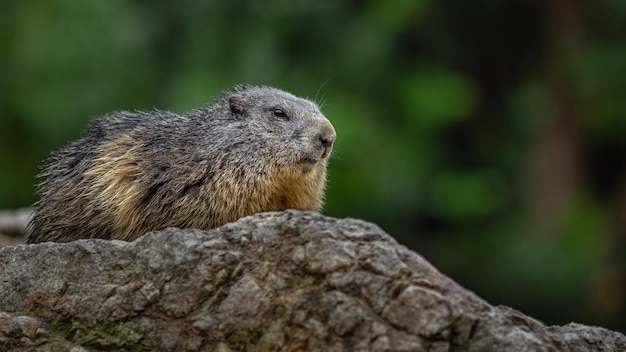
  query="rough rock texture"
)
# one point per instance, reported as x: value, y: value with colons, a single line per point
x: 287, y: 281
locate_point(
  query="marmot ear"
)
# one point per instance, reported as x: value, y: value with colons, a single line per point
x: 236, y: 105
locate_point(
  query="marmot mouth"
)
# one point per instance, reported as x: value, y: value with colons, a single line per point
x: 313, y: 159
x: 326, y: 152
x: 309, y: 161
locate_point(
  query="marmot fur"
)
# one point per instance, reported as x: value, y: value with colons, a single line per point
x: 253, y: 149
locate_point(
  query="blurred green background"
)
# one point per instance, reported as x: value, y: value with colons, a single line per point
x: 489, y: 136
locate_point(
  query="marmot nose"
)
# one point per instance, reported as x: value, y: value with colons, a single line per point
x: 327, y: 136
x: 327, y: 141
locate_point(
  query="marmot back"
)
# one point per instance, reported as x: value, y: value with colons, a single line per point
x: 253, y: 149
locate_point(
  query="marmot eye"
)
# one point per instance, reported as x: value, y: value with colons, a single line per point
x: 278, y: 112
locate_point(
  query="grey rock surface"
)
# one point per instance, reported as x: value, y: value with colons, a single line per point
x: 287, y: 281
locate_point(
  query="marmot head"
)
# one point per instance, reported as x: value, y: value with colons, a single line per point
x: 291, y: 129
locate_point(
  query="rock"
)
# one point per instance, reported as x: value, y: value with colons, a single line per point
x: 285, y: 281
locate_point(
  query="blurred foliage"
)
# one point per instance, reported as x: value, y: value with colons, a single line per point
x: 486, y: 135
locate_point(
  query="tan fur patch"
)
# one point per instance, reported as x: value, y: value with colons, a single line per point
x: 114, y: 172
x: 298, y: 190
